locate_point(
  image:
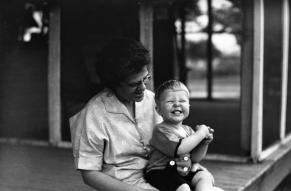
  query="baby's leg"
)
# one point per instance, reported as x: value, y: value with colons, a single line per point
x: 184, y: 187
x: 217, y: 189
x: 203, y: 180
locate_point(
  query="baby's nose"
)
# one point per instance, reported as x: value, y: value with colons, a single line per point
x: 176, y: 103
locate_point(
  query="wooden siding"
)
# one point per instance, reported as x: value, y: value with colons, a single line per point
x: 23, y: 81
x: 23, y: 94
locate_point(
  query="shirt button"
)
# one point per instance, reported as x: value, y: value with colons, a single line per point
x: 172, y: 163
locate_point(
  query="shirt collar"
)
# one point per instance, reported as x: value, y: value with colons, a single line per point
x: 113, y: 105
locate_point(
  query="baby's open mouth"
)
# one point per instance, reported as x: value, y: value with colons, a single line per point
x: 176, y: 112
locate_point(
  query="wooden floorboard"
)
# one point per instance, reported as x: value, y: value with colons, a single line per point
x: 232, y: 176
x: 263, y: 176
x: 31, y: 168
x: 42, y: 168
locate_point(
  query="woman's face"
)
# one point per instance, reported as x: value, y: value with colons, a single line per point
x: 133, y: 88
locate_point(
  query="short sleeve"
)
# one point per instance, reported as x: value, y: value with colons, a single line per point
x: 189, y: 130
x: 165, y: 141
x: 88, y: 138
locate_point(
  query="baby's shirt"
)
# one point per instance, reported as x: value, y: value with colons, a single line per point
x: 164, y: 144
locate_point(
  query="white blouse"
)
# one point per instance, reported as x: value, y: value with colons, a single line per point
x: 106, y: 138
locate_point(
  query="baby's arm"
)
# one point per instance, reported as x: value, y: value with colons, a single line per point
x: 199, y: 152
x: 189, y: 143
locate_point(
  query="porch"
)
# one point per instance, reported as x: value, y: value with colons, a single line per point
x: 43, y: 168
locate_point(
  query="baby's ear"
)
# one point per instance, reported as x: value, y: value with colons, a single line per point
x: 158, y: 109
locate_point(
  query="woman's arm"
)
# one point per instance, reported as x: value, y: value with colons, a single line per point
x: 101, y: 181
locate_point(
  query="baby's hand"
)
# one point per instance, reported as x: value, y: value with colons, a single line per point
x: 206, y: 129
x: 210, y: 130
x: 208, y: 139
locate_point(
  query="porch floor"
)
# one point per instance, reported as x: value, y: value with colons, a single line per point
x: 29, y: 168
x: 38, y: 168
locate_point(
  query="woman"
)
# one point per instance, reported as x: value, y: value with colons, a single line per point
x: 111, y: 133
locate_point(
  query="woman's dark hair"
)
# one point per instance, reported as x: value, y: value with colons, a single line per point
x: 119, y: 59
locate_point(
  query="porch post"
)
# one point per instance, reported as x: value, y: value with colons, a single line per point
x: 258, y: 66
x: 247, y: 75
x: 54, y: 75
x: 146, y: 32
x: 285, y: 43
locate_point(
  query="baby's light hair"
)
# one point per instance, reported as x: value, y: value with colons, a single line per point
x: 170, y: 85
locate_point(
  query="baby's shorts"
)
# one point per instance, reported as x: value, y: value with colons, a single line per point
x: 169, y: 179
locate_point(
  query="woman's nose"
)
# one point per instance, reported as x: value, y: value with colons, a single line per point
x: 142, y: 86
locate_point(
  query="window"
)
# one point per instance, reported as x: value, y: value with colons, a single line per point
x: 208, y: 35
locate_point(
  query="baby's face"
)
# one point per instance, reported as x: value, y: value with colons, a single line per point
x: 174, y: 106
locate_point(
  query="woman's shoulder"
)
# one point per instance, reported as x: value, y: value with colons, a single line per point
x: 95, y: 104
x: 149, y: 97
x: 97, y: 98
x: 149, y: 94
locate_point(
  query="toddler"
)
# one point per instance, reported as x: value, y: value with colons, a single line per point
x: 172, y: 138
